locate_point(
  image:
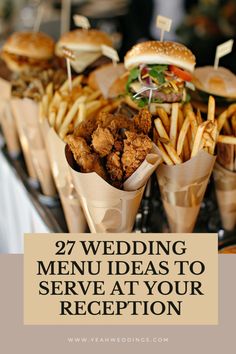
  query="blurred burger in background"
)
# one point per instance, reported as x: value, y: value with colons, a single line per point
x: 28, y: 51
x: 86, y: 45
x: 220, y: 83
x: 159, y: 74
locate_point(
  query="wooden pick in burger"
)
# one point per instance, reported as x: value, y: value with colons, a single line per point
x: 39, y: 17
x: 69, y: 55
x: 164, y: 23
x: 222, y: 50
x: 81, y: 21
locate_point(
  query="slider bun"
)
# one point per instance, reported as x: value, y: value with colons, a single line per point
x: 220, y: 82
x: 83, y: 40
x: 155, y: 52
x: 35, y: 45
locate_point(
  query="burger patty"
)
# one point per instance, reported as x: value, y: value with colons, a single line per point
x: 23, y: 60
x: 164, y: 97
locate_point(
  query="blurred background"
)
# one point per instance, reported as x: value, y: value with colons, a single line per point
x: 200, y: 24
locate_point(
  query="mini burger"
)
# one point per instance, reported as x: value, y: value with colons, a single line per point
x: 86, y: 45
x: 159, y: 73
x: 26, y: 51
x: 220, y: 83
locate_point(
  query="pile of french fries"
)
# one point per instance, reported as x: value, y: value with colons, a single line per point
x: 227, y: 124
x: 65, y: 109
x: 227, y: 135
x: 183, y: 134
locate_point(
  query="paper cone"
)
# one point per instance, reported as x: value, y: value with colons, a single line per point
x: 62, y: 176
x: 24, y: 127
x: 225, y: 184
x: 182, y: 189
x: 225, y: 155
x: 107, y: 209
x: 26, y: 112
x: 7, y: 119
x: 9, y: 130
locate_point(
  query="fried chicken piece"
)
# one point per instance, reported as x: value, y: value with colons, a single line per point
x: 143, y: 121
x: 87, y: 160
x: 114, y: 166
x: 86, y: 128
x: 118, y: 145
x: 115, y: 122
x: 102, y: 141
x: 136, y: 148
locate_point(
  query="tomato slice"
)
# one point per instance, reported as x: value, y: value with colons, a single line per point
x: 182, y: 74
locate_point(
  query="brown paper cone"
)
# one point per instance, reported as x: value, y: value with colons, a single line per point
x: 9, y: 129
x: 24, y: 127
x: 225, y: 155
x: 107, y: 209
x: 7, y: 119
x: 26, y: 112
x: 182, y: 189
x: 62, y: 176
x: 225, y: 184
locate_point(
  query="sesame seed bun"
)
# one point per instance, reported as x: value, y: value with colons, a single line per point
x: 83, y: 40
x: 35, y: 45
x: 154, y: 52
x: 25, y: 51
x: 220, y: 82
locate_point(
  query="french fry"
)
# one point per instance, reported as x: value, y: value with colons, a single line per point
x: 164, y: 154
x: 193, y: 122
x: 41, y: 111
x: 182, y: 135
x: 161, y: 129
x: 49, y: 91
x: 55, y: 102
x: 87, y: 90
x: 77, y: 81
x: 155, y: 135
x: 93, y: 96
x: 233, y: 123
x: 52, y: 118
x: 211, y: 109
x: 64, y: 86
x: 211, y: 148
x: 174, y: 124
x: 198, y: 139
x: 60, y: 114
x: 199, y: 117
x: 208, y: 138
x: 92, y: 107
x: 226, y: 139
x: 69, y: 117
x: 81, y: 114
x: 109, y: 107
x: 221, y: 120
x: 180, y: 119
x: 164, y: 118
x: 231, y: 110
x: 172, y: 153
x: 45, y: 105
x: 190, y: 138
x: 186, y: 150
